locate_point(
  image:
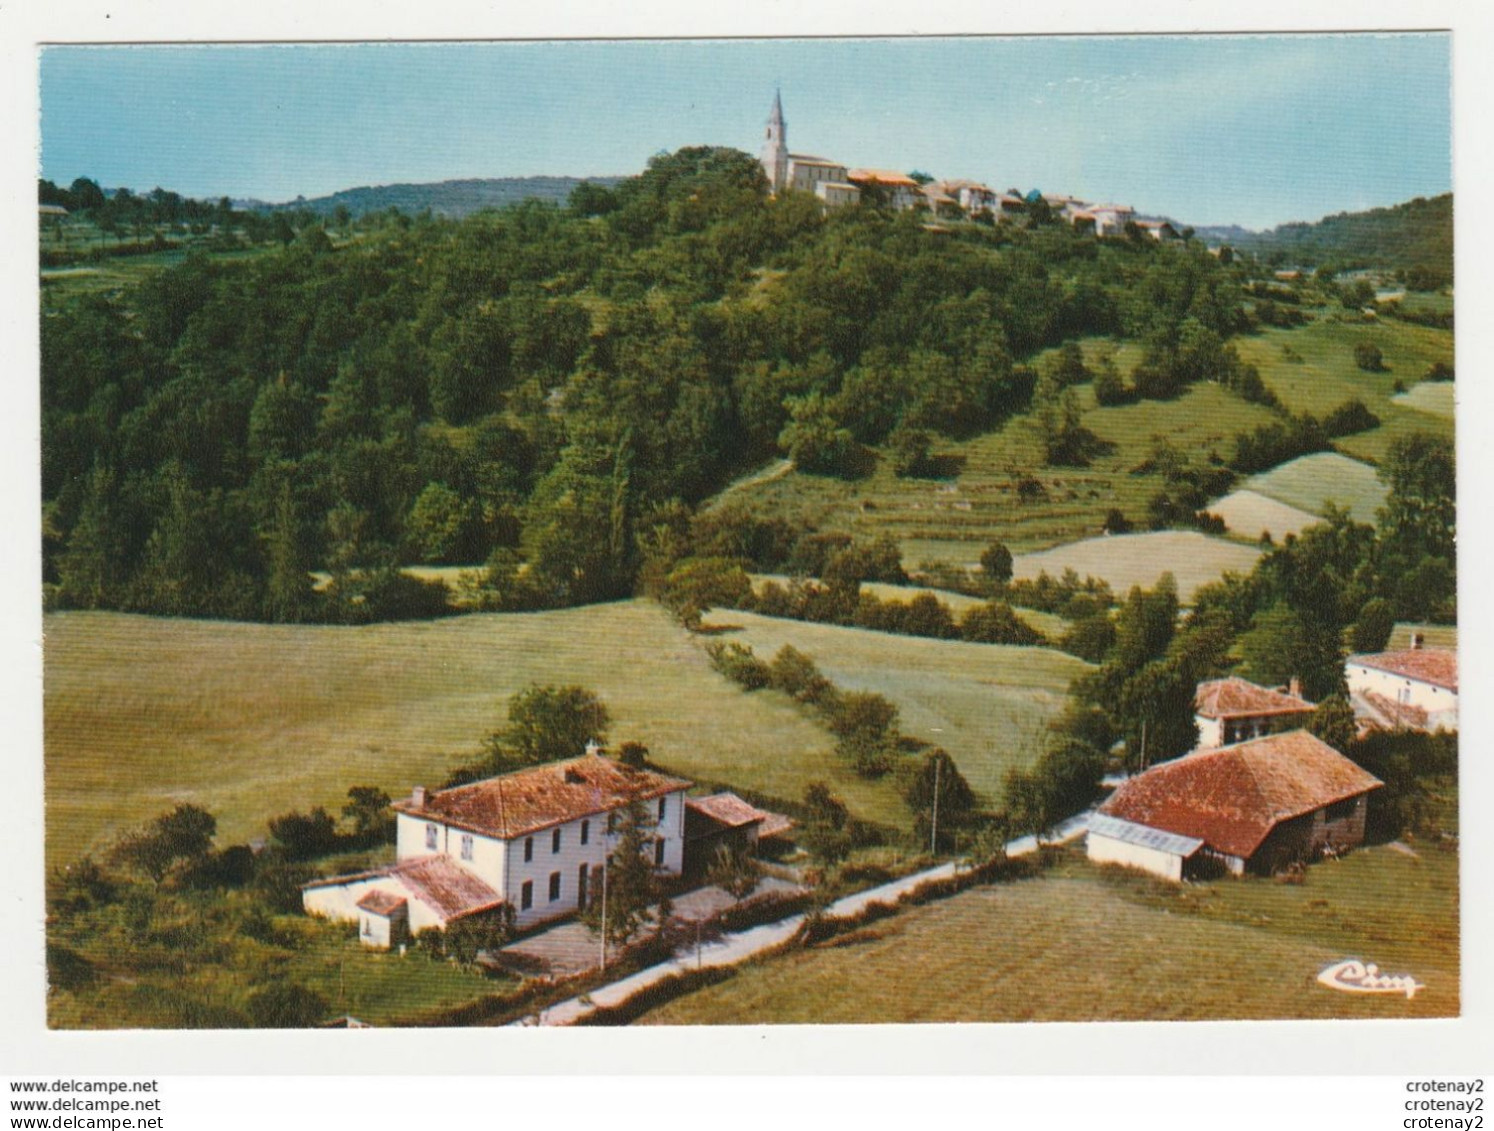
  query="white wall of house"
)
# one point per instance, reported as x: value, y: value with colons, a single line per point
x: 379, y: 930
x: 1109, y: 850
x: 1436, y: 701
x: 339, y: 902
x: 1210, y: 731
x: 481, y: 855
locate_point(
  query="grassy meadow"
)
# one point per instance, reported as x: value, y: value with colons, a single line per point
x: 250, y: 720
x: 988, y: 705
x: 1311, y: 368
x: 1081, y: 943
x: 955, y: 518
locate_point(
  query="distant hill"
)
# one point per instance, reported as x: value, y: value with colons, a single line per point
x: 444, y: 198
x: 1418, y: 233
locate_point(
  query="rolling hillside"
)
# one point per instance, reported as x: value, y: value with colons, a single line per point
x: 453, y: 199
x: 1418, y: 233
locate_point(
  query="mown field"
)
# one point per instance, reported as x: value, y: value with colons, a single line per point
x: 1125, y: 560
x: 251, y: 720
x: 1250, y: 515
x: 988, y: 705
x: 1311, y: 482
x: 1435, y: 397
x: 1087, y: 944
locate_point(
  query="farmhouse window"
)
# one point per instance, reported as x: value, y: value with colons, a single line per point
x: 431, y: 835
x: 528, y: 849
x: 466, y: 846
x: 555, y: 842
x: 585, y: 832
x: 582, y: 875
x: 526, y: 895
x: 663, y: 804
x: 554, y: 886
x: 659, y: 852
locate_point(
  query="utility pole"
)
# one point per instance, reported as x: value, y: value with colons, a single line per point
x: 604, y: 903
x: 934, y: 823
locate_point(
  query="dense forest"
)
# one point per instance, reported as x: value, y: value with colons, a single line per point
x: 1414, y: 239
x: 552, y: 390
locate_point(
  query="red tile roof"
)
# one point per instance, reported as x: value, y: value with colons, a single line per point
x: 1437, y: 666
x: 726, y: 809
x: 882, y: 177
x: 1375, y: 711
x: 523, y: 802
x: 1233, y: 698
x: 381, y: 902
x: 447, y: 888
x: 1231, y: 798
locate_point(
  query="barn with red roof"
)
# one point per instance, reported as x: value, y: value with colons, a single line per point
x: 1254, y: 806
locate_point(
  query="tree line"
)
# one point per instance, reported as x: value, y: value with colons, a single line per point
x: 539, y: 388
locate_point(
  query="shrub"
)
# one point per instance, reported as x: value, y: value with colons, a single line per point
x: 1369, y: 358
x: 1350, y: 417
x: 996, y: 623
x: 738, y: 663
x: 795, y: 674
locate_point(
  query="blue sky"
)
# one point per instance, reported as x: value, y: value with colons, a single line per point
x: 1249, y: 130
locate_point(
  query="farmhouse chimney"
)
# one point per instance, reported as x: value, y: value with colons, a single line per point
x: 1294, y: 687
x: 1417, y: 640
x: 594, y: 748
x: 418, y: 797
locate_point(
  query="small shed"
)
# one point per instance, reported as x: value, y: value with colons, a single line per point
x: 724, y: 819
x: 1113, y: 840
x: 383, y: 919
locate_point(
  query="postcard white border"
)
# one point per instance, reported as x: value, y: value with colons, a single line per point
x: 1283, y: 1048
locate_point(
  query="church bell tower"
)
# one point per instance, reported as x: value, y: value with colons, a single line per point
x: 775, y: 148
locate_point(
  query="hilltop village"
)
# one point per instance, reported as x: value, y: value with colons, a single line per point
x: 836, y: 186
x: 529, y: 618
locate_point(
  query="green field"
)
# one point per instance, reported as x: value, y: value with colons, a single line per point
x: 252, y: 720
x: 954, y: 519
x: 1088, y: 944
x: 1125, y: 560
x: 1324, y: 375
x: 1325, y: 477
x: 987, y: 704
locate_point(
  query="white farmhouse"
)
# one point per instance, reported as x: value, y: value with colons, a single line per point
x: 530, y: 840
x: 1415, y: 687
x: 1233, y: 709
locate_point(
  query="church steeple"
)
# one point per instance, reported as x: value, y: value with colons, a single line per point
x: 775, y: 147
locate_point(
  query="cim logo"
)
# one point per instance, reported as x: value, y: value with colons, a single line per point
x: 1355, y: 977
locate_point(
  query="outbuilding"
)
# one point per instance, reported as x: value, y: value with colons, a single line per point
x: 1255, y: 806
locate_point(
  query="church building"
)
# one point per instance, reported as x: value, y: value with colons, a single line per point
x: 825, y: 178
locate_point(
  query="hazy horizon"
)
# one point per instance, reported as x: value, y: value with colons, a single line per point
x: 1212, y: 130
